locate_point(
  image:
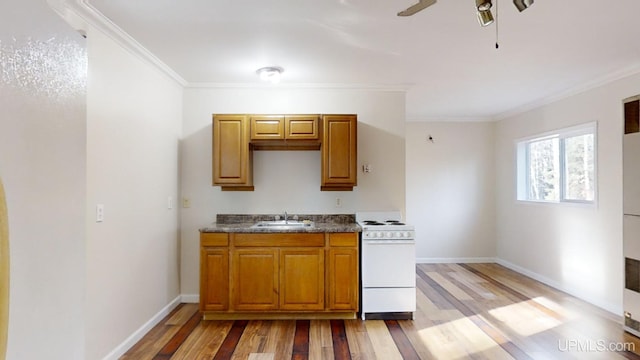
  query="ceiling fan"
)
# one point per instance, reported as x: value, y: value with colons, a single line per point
x: 421, y: 5
x: 483, y: 6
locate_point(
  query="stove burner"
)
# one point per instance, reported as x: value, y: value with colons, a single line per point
x: 386, y: 222
x: 372, y: 222
x: 394, y: 222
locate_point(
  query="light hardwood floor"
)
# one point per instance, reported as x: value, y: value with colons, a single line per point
x: 465, y: 311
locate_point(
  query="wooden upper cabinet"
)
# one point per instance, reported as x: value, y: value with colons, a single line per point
x: 267, y: 127
x: 236, y: 136
x: 232, y: 155
x: 301, y: 127
x: 339, y: 152
x: 282, y: 132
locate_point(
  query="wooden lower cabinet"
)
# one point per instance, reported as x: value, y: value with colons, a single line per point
x: 214, y: 272
x: 342, y: 271
x: 301, y: 279
x: 254, y: 279
x: 279, y: 275
x: 343, y: 287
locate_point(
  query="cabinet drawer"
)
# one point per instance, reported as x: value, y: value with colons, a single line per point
x: 278, y: 239
x: 214, y: 239
x: 343, y: 239
x: 267, y: 127
x: 301, y: 127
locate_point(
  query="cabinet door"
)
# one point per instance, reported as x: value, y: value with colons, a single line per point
x: 301, y: 127
x: 339, y: 152
x: 343, y: 271
x: 254, y: 279
x: 302, y: 279
x: 231, y: 153
x: 267, y: 127
x: 214, y: 279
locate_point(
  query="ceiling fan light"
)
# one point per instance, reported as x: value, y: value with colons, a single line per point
x: 270, y: 74
x: 483, y: 5
x: 522, y: 4
x: 485, y: 18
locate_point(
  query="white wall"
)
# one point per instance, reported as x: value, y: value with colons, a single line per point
x: 576, y: 248
x: 42, y: 165
x: 451, y: 190
x: 288, y: 180
x: 134, y: 118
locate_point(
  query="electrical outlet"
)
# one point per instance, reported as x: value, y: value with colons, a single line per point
x: 169, y: 203
x: 186, y: 203
x: 338, y: 202
x: 99, y: 212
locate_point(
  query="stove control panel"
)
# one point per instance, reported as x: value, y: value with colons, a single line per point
x: 388, y: 235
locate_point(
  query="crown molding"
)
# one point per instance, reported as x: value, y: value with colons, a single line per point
x: 590, y: 85
x: 80, y: 14
x: 448, y: 119
x: 297, y: 86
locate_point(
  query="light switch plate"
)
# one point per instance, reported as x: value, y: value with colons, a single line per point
x: 99, y: 212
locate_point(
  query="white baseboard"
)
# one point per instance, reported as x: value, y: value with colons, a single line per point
x: 143, y: 330
x: 614, y: 310
x: 467, y: 260
x: 190, y: 298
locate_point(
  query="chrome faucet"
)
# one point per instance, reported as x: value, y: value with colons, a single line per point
x: 286, y: 218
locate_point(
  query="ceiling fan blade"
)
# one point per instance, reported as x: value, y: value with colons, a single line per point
x: 417, y: 7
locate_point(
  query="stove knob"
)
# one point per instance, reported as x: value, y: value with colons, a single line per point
x: 399, y: 234
x: 380, y: 234
x: 389, y: 234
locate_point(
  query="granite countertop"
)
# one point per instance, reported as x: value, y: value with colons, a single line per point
x: 241, y: 223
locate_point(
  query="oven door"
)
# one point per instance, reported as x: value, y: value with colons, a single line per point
x: 388, y: 263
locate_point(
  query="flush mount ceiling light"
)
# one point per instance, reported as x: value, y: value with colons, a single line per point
x: 270, y: 73
x: 522, y: 4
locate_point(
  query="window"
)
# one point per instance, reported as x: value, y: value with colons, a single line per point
x: 558, y: 166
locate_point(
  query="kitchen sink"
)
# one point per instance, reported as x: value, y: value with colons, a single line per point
x: 283, y: 224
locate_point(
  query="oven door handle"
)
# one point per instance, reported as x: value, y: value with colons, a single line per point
x: 389, y: 242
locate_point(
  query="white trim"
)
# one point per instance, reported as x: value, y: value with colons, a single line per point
x: 448, y: 119
x: 613, y: 310
x: 143, y: 330
x: 190, y: 298
x: 78, y: 11
x: 468, y: 260
x: 631, y: 331
x: 523, y: 158
x: 610, y: 310
x: 313, y: 86
x: 604, y: 80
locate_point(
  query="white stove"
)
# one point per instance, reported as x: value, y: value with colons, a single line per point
x: 388, y: 264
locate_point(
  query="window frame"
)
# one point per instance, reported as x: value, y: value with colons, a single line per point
x: 523, y: 163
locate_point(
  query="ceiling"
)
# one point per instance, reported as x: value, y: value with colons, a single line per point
x: 448, y: 64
